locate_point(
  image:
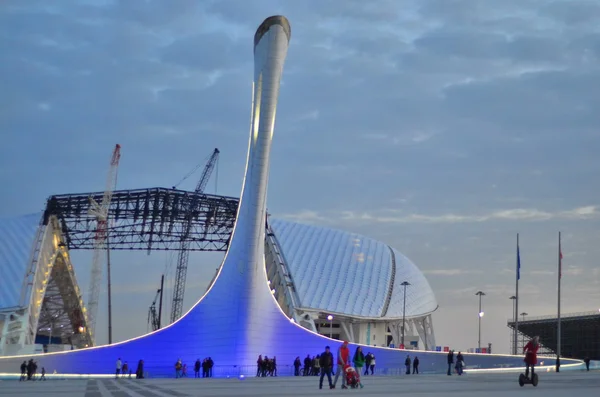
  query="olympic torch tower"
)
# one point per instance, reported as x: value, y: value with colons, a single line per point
x: 243, y: 269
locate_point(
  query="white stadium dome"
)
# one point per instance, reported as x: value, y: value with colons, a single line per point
x: 346, y: 273
x: 357, y: 280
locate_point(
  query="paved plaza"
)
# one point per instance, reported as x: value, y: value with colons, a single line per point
x: 474, y: 385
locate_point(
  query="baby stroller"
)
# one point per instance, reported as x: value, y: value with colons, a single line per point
x: 352, y: 377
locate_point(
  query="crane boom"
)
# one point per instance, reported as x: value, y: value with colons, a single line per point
x: 100, y: 212
x: 184, y: 253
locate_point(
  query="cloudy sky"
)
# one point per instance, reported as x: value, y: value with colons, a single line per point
x: 441, y: 127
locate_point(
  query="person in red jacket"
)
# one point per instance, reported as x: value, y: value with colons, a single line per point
x: 342, y: 361
x: 530, y: 350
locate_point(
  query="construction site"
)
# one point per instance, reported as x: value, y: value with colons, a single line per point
x: 50, y: 314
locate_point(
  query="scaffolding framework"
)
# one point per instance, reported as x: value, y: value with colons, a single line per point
x: 580, y: 334
x: 148, y: 219
x: 61, y: 314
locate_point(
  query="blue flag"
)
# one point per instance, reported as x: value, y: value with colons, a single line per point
x: 518, y: 264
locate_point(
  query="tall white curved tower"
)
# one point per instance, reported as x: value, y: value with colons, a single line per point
x: 244, y: 264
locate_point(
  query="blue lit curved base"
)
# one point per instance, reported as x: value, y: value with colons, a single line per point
x: 238, y: 318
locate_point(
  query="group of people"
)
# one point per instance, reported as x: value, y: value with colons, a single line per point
x: 266, y: 366
x: 29, y: 371
x: 312, y: 366
x: 344, y: 365
x: 530, y: 350
x: 321, y: 364
x: 459, y: 365
x: 206, y: 365
x: 415, y: 365
x: 122, y: 369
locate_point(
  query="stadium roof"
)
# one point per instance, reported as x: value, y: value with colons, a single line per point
x: 341, y: 272
x: 16, y: 240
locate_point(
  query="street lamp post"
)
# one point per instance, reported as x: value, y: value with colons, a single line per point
x: 523, y: 315
x: 480, y: 294
x: 330, y: 319
x: 404, y: 284
x: 514, y: 317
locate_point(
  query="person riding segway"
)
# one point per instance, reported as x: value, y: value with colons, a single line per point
x: 530, y: 350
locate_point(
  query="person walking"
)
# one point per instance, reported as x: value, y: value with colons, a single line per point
x: 460, y: 363
x: 359, y: 361
x: 450, y: 361
x: 416, y: 365
x: 326, y: 364
x: 118, y: 369
x: 343, y: 359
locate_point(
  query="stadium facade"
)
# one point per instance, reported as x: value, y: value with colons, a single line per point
x: 319, y: 272
x: 245, y: 319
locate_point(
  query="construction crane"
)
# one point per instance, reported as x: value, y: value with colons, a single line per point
x: 153, y: 318
x: 100, y: 211
x: 184, y: 253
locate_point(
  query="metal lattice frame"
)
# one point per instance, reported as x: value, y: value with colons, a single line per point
x: 148, y: 219
x: 61, y: 314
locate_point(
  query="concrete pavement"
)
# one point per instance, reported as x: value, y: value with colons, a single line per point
x: 473, y: 385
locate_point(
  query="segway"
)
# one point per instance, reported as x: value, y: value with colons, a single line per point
x: 524, y: 380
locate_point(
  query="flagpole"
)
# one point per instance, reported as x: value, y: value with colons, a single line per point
x: 558, y: 335
x: 516, y: 318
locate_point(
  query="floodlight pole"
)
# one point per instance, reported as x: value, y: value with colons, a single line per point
x: 404, y: 284
x: 479, y: 314
x: 108, y: 280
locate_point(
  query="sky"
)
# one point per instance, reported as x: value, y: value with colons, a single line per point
x: 440, y: 127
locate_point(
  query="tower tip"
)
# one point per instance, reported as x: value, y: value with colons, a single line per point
x: 270, y: 21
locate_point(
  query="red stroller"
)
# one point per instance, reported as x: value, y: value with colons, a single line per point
x: 352, y: 377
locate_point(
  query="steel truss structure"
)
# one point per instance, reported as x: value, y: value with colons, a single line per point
x: 61, y: 315
x: 51, y: 309
x: 580, y: 334
x: 148, y: 219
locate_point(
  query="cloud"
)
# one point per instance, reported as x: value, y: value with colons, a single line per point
x: 476, y: 117
x: 519, y: 214
x: 450, y: 272
x: 305, y: 216
x: 542, y: 273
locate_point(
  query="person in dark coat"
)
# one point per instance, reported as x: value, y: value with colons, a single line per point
x: 407, y: 363
x: 416, y: 365
x: 297, y: 364
x: 23, y: 371
x: 450, y: 361
x: 197, y: 366
x: 139, y: 372
x: 326, y: 364
x: 367, y: 363
x: 587, y: 363
x: 459, y: 363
